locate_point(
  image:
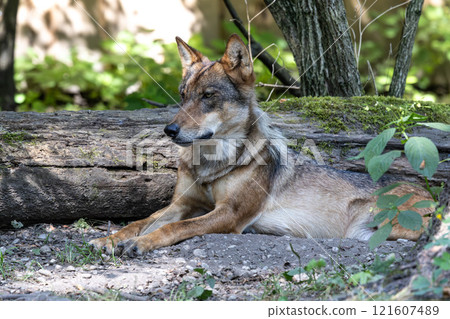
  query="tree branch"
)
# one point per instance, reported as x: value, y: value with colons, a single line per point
x: 404, y: 53
x: 159, y: 105
x: 258, y: 51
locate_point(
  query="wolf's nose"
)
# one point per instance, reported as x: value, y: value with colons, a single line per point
x: 172, y: 130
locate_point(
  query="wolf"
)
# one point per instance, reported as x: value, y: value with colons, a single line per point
x: 234, y: 174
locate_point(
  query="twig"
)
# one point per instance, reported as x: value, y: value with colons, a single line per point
x: 109, y: 229
x: 277, y: 86
x: 372, y: 76
x: 157, y: 104
x: 258, y: 51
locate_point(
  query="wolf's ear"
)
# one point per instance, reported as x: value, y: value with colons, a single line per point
x: 237, y: 61
x: 189, y: 55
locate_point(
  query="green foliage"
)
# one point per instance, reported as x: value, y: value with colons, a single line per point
x: 430, y: 52
x: 4, y: 266
x: 423, y: 156
x: 80, y: 255
x: 113, y: 82
x: 200, y: 289
x: 116, y: 80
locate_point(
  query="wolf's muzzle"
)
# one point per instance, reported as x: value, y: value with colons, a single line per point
x: 172, y: 130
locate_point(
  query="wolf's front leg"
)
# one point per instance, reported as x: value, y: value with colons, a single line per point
x: 220, y: 220
x: 169, y: 214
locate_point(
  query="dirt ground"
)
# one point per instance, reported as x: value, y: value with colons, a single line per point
x: 53, y: 262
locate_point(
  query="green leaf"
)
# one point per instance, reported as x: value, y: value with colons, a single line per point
x: 403, y: 199
x: 195, y: 292
x: 380, y: 217
x: 315, y: 264
x: 438, y: 126
x: 205, y: 295
x: 436, y: 190
x: 288, y: 275
x: 423, y: 155
x: 375, y: 146
x: 379, y: 164
x: 421, y: 285
x: 443, y: 262
x: 386, y: 201
x: 391, y: 214
x: 425, y: 204
x: 360, y: 278
x: 380, y: 236
x: 200, y: 270
x: 211, y: 282
x: 385, y: 189
x: 410, y: 219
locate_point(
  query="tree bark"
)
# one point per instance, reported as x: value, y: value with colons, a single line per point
x: 318, y: 35
x: 8, y: 14
x: 404, y: 53
x: 63, y: 166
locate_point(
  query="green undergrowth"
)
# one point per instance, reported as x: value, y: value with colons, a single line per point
x: 369, y: 113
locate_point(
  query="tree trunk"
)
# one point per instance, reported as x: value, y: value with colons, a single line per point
x: 8, y: 10
x: 119, y: 165
x: 403, y: 60
x: 318, y: 35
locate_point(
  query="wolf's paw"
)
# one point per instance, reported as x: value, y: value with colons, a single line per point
x: 131, y: 247
x: 105, y: 244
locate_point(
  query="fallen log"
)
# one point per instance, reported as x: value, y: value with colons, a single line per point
x: 119, y: 165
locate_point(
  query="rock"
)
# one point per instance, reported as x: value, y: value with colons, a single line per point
x: 52, y: 261
x: 201, y: 253
x: 58, y: 267
x: 335, y: 249
x: 46, y: 249
x: 44, y: 272
x: 43, y: 236
x: 70, y: 268
x: 86, y: 276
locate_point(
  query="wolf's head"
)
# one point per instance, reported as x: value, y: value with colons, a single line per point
x: 215, y: 96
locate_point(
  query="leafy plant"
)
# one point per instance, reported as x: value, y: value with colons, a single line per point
x: 80, y: 255
x: 4, y: 266
x: 430, y: 52
x: 200, y: 289
x: 423, y: 157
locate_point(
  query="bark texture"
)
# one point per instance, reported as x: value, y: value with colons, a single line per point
x: 119, y: 165
x: 8, y: 10
x: 403, y: 60
x: 318, y: 35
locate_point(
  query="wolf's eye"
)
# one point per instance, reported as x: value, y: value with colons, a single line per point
x: 208, y: 95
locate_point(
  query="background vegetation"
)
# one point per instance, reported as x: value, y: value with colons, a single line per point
x: 116, y: 82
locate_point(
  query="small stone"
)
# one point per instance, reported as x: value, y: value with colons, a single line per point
x: 41, y: 279
x: 335, y: 249
x: 231, y: 246
x: 199, y: 253
x: 43, y: 236
x: 232, y: 297
x: 87, y: 276
x: 180, y: 260
x: 402, y: 240
x: 70, y: 268
x: 45, y: 272
x: 52, y: 261
x: 58, y: 267
x: 46, y: 249
x: 16, y: 241
x: 92, y: 267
